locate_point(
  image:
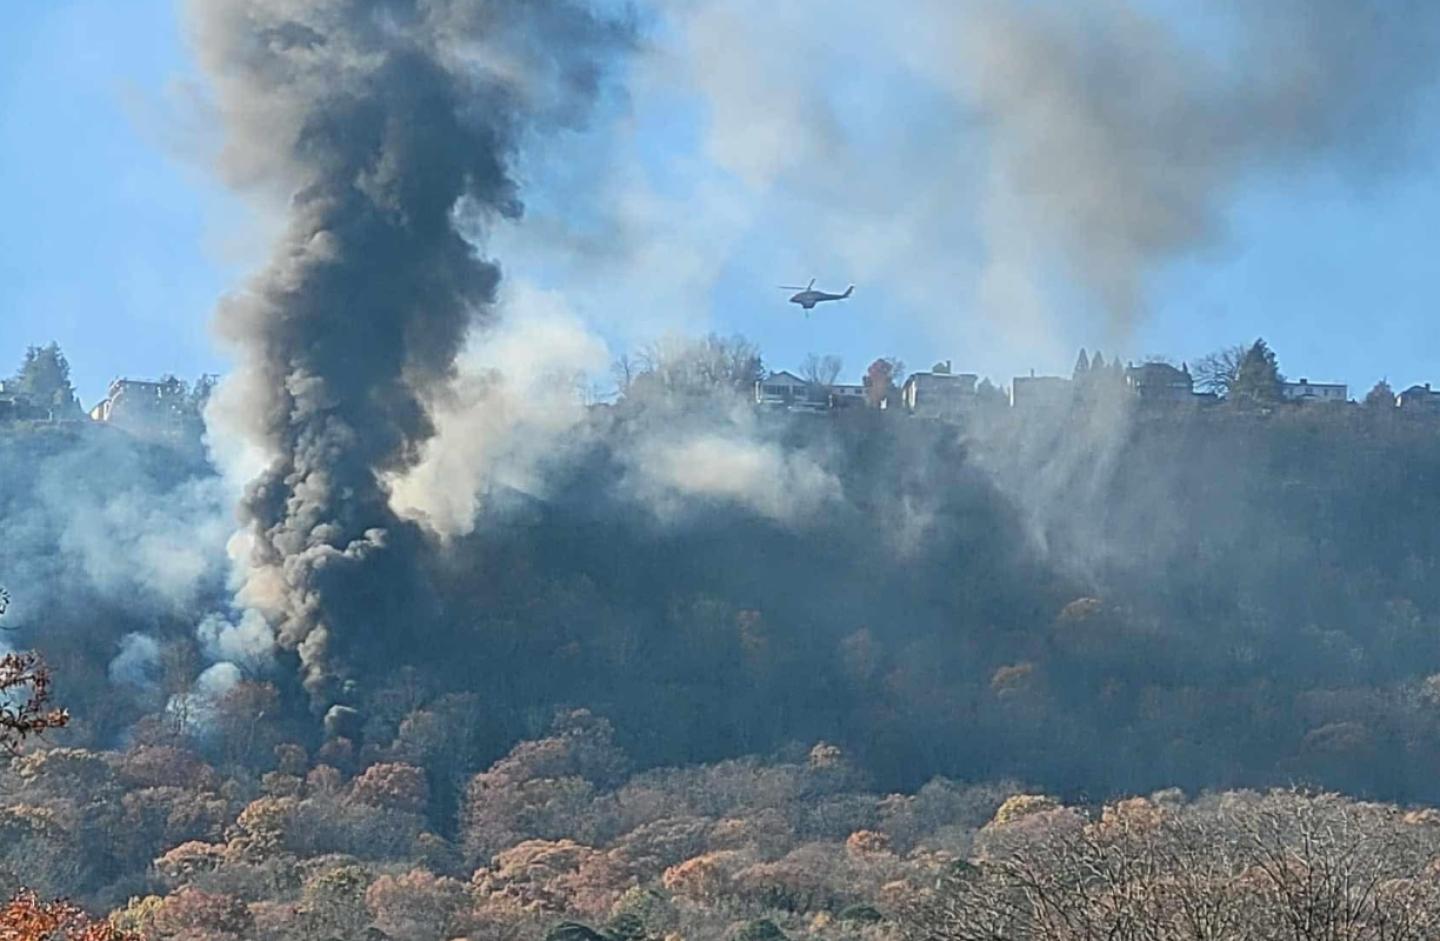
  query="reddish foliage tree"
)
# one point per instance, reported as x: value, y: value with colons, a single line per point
x: 26, y: 918
x: 879, y: 380
x: 190, y: 913
x: 394, y: 785
x: 25, y: 708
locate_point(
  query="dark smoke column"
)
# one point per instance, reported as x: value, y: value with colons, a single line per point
x: 383, y: 123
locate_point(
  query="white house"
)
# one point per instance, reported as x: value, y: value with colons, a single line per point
x: 785, y: 390
x: 846, y: 396
x: 939, y: 392
x: 1305, y: 391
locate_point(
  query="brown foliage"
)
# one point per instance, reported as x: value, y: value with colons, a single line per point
x: 393, y: 785
x: 25, y: 708
x: 26, y: 918
x: 542, y: 788
x: 166, y: 766
x: 1241, y: 866
x: 704, y: 878
x: 553, y: 876
x: 192, y: 914
x: 418, y: 905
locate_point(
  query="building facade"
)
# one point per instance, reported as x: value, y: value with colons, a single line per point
x: 1419, y: 399
x: 785, y: 390
x: 1041, y: 392
x: 1161, y: 383
x: 1304, y: 391
x: 939, y: 393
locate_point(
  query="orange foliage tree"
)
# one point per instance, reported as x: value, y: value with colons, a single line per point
x: 27, y: 918
x: 25, y: 708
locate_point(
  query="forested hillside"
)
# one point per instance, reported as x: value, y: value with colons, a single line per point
x: 674, y: 670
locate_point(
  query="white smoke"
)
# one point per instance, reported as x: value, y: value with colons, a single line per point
x: 673, y: 474
x: 137, y: 663
x: 516, y: 409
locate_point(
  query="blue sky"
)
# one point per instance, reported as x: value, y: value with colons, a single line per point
x: 118, y: 244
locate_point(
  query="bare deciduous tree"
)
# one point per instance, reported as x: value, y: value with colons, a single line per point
x: 821, y: 370
x: 1216, y: 372
x: 1243, y: 866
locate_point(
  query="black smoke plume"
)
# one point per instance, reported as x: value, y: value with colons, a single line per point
x: 387, y: 124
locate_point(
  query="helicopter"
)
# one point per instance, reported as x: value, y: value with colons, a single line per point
x: 808, y: 297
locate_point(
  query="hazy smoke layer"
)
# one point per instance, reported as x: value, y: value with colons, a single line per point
x: 386, y: 123
x: 731, y: 467
x: 1044, y: 158
x: 106, y: 521
x: 1121, y: 140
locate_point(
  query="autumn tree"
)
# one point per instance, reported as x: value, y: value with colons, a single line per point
x: 25, y: 708
x: 880, y: 379
x: 1284, y: 864
x: 394, y: 785
x: 26, y: 918
x: 417, y: 905
x: 1380, y: 396
x: 543, y: 788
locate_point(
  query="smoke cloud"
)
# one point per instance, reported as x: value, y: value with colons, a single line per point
x: 516, y: 410
x: 674, y: 473
x: 1034, y: 164
x: 387, y: 125
x: 137, y: 663
x: 102, y: 518
x: 1119, y: 141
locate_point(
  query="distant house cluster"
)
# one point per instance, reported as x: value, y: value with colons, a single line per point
x: 941, y: 392
x: 165, y: 407
x: 788, y: 392
x: 16, y: 404
x: 137, y: 403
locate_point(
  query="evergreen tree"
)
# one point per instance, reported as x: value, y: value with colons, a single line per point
x: 1258, y: 378
x: 44, y: 376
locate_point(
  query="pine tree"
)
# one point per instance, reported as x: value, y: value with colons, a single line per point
x: 44, y: 376
x: 1258, y: 379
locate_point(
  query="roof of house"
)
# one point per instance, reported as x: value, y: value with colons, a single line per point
x: 1159, y: 373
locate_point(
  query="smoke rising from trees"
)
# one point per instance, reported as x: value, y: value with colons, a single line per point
x: 386, y: 126
x: 1082, y: 598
